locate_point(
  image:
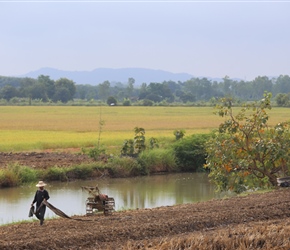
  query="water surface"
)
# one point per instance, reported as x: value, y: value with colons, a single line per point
x: 129, y: 193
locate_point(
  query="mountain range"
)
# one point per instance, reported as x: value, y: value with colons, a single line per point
x: 99, y: 75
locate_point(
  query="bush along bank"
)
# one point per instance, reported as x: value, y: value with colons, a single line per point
x: 187, y: 154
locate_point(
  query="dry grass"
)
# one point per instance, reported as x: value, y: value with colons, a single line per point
x: 270, y: 235
x: 30, y: 128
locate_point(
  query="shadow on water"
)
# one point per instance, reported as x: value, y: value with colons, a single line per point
x: 129, y: 193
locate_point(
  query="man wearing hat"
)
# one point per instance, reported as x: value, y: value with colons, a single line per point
x: 40, y: 195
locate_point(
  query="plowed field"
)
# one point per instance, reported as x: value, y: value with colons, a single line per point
x: 256, y: 221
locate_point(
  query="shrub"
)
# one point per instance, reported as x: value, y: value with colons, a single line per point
x: 55, y: 174
x: 26, y: 174
x: 157, y: 160
x: 80, y: 172
x: 8, y: 178
x: 123, y: 167
x: 126, y: 102
x: 190, y: 152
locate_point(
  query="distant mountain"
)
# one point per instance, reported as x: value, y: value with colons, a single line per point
x: 122, y: 75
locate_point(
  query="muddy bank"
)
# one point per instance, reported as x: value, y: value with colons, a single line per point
x: 250, y: 222
x: 44, y: 160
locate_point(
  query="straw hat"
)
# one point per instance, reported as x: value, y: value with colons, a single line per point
x: 40, y: 184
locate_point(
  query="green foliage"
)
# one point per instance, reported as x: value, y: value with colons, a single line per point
x: 56, y: 174
x: 179, y: 133
x: 123, y: 167
x: 157, y: 160
x: 282, y: 100
x: 153, y: 143
x: 245, y: 153
x: 15, y: 175
x: 190, y: 152
x: 147, y: 102
x: 96, y: 152
x: 128, y: 148
x: 25, y: 174
x: 126, y: 102
x: 135, y: 146
x: 79, y: 172
x: 112, y: 101
x: 8, y: 178
x: 139, y: 140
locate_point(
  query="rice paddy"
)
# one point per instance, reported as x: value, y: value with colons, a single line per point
x: 39, y: 128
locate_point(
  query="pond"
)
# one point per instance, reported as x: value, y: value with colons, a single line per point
x: 129, y: 193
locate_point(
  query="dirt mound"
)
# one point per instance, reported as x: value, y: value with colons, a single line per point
x: 43, y: 160
x: 217, y: 224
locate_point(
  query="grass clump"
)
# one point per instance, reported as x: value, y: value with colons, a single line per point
x: 123, y: 167
x: 15, y: 175
x: 55, y: 174
x: 8, y: 178
x: 157, y: 160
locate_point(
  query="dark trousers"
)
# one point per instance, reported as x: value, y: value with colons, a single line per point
x: 40, y: 212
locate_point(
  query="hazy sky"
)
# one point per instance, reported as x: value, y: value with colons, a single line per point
x: 242, y: 39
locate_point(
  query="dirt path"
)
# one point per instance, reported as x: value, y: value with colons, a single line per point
x: 260, y: 219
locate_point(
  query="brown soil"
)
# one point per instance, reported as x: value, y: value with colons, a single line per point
x: 43, y: 160
x: 256, y: 221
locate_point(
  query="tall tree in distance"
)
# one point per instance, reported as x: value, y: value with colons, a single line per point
x: 64, y: 90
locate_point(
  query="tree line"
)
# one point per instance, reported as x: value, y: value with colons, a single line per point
x: 191, y: 91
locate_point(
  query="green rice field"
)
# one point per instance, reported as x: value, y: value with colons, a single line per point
x: 62, y: 127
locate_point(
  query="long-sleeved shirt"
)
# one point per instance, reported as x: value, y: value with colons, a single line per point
x: 39, y: 196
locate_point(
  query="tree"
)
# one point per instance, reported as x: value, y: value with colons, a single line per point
x: 282, y: 84
x: 245, y: 152
x: 48, y: 84
x: 8, y: 92
x: 111, y: 101
x: 130, y: 87
x: 282, y: 100
x: 133, y: 147
x: 65, y: 90
x: 104, y: 90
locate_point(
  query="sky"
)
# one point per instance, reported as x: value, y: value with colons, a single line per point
x: 240, y: 39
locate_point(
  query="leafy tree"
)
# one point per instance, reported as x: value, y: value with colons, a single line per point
x: 187, y: 97
x: 190, y: 152
x: 104, y: 90
x: 64, y: 90
x: 111, y: 101
x: 8, y: 92
x: 37, y: 91
x: 137, y: 145
x: 199, y: 88
x: 130, y: 87
x: 282, y: 84
x: 260, y: 85
x: 48, y: 84
x: 282, y: 100
x: 246, y: 152
x: 139, y: 140
x: 62, y: 94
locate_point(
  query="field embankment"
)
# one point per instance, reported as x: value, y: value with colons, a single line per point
x: 256, y: 221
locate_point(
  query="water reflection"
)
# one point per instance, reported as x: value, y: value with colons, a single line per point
x: 131, y: 193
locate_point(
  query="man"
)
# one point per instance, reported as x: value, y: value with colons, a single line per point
x: 40, y: 195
